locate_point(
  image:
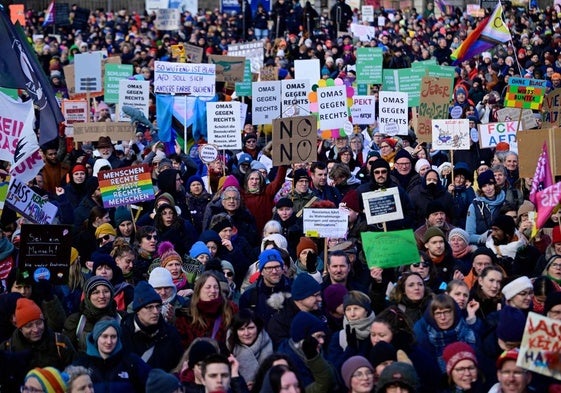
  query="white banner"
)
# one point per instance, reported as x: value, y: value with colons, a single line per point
x: 87, y: 72
x: 185, y: 78
x: 362, y: 111
x: 168, y: 19
x: 223, y: 124
x: 326, y: 223
x: 332, y: 107
x: 295, y: 97
x: 14, y: 117
x: 266, y: 102
x: 491, y: 134
x: 133, y: 93
x: 392, y: 112
x: 307, y: 69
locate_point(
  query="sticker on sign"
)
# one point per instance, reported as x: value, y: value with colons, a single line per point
x: 208, y: 153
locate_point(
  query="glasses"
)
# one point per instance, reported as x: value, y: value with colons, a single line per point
x: 361, y: 375
x: 150, y: 237
x: 512, y: 373
x: 153, y: 307
x: 25, y: 389
x: 103, y: 238
x: 463, y: 370
x: 381, y: 172
x: 440, y: 314
x: 230, y: 199
x: 420, y: 264
x: 556, y: 265
x: 272, y: 268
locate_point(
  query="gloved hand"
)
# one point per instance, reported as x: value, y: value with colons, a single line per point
x: 311, y: 262
x: 310, y: 347
x: 43, y: 290
x: 352, y: 339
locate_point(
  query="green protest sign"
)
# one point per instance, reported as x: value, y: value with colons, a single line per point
x: 390, y: 249
x: 113, y: 74
x: 244, y: 88
x: 369, y: 65
x: 362, y: 89
x: 405, y: 80
x: 424, y: 63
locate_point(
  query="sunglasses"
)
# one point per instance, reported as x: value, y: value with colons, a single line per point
x: 104, y: 237
x: 380, y: 172
x: 150, y: 237
x: 229, y: 274
x: 420, y: 264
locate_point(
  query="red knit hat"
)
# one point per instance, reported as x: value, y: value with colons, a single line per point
x: 351, y: 200
x: 27, y: 311
x: 556, y: 235
x: 502, y: 146
x: 78, y: 168
x: 455, y: 353
x: 305, y: 243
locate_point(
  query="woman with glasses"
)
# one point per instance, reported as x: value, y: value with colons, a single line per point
x: 462, y: 369
x: 147, y: 241
x: 358, y: 375
x: 553, y: 271
x: 388, y: 150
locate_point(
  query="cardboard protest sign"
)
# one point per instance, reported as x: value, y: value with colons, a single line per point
x: 492, y: 134
x: 525, y: 93
x: 194, y: 53
x: 433, y: 104
x: 295, y: 96
x: 540, y: 347
x: 530, y: 144
x: 185, y: 78
x: 390, y: 249
x: 74, y: 111
x: 266, y: 102
x: 294, y: 139
x: 450, y: 134
x: 223, y: 124
x: 332, y: 107
x: 307, y: 69
x: 15, y: 116
x: 243, y: 89
x: 29, y: 204
x: 393, y: 115
x: 362, y: 111
x: 135, y: 94
x: 513, y: 114
x: 405, y: 80
x: 440, y: 71
x: 113, y: 74
x: 228, y: 68
x: 124, y: 186
x: 45, y: 252
x: 168, y: 19
x: 269, y: 74
x: 325, y: 223
x: 551, y: 109
x: 87, y: 72
x: 382, y: 206
x: 252, y: 51
x: 87, y: 132
x: 369, y: 65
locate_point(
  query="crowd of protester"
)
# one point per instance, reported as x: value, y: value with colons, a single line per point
x: 213, y: 285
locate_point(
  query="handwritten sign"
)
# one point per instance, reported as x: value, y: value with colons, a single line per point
x: 492, y: 134
x: 74, y: 111
x: 266, y: 102
x: 168, y: 19
x: 294, y: 139
x: 85, y: 132
x: 223, y: 124
x: 433, y: 104
x: 87, y: 72
x: 450, y: 134
x: 362, y: 111
x: 124, y: 186
x: 525, y: 93
x: 185, y: 78
x: 552, y: 109
x: 113, y: 74
x: 326, y: 223
x: 15, y: 116
x: 29, y: 204
x: 541, y: 344
x: 228, y: 68
x: 194, y: 53
x: 332, y: 107
x: 369, y: 65
x: 390, y: 249
x: 382, y: 206
x: 393, y: 113
x: 512, y: 114
x: 295, y: 96
x: 135, y: 94
x: 45, y: 252
x: 252, y: 51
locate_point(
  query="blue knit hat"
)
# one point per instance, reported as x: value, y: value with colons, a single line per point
x: 198, y: 248
x: 486, y: 177
x: 102, y: 326
x: 122, y: 214
x: 304, y: 325
x: 144, y: 294
x: 161, y: 382
x: 269, y: 256
x: 193, y: 179
x: 304, y: 286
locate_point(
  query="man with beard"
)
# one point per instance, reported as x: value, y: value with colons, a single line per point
x: 506, y: 242
x: 435, y: 216
x: 440, y: 254
x: 107, y: 151
x: 54, y: 170
x: 319, y: 185
x: 429, y: 190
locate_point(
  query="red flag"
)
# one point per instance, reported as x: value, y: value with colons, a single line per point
x: 542, y: 178
x: 546, y: 201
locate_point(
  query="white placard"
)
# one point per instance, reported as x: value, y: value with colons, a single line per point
x: 494, y: 133
x: 392, y: 109
x: 307, y: 69
x: 87, y: 72
x: 368, y: 13
x: 208, y: 153
x: 295, y: 95
x: 512, y: 114
x: 15, y: 116
x: 252, y: 51
x: 332, y: 107
x: 450, y: 134
x: 266, y: 102
x: 243, y: 114
x: 363, y: 32
x: 154, y: 5
x: 362, y: 110
x: 135, y: 94
x: 326, y: 223
x: 198, y: 80
x: 223, y: 124
x: 30, y: 204
x: 168, y: 19
x: 382, y: 206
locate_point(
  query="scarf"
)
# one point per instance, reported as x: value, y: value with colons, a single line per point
x: 180, y: 282
x: 210, y: 307
x: 94, y: 314
x: 390, y: 158
x: 360, y: 326
x: 144, y: 254
x: 462, y: 253
x: 441, y: 338
x: 149, y: 330
x: 437, y: 260
x: 537, y: 306
x: 556, y: 283
x: 6, y: 248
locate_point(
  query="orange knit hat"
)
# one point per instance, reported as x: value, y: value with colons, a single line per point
x: 27, y: 311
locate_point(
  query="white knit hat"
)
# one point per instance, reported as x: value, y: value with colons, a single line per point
x: 160, y: 277
x: 513, y: 288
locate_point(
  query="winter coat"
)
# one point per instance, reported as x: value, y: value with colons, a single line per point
x: 256, y: 297
x: 250, y: 357
x: 481, y: 214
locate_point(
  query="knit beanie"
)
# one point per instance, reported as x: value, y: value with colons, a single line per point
x: 161, y: 277
x: 199, y: 351
x: 402, y: 153
x: 484, y: 251
x: 351, y: 365
x: 105, y: 229
x: 244, y: 159
x: 398, y: 373
x: 455, y: 353
x: 166, y: 197
x: 50, y: 379
x: 228, y: 181
x: 102, y: 325
x: 27, y: 311
x: 525, y: 208
x: 168, y: 254
x: 357, y: 298
x: 227, y: 265
x: 305, y: 243
x: 161, y: 382
x: 505, y: 223
x: 421, y: 162
x: 434, y: 207
x: 459, y: 232
x: 193, y: 179
x: 304, y: 286
x: 78, y: 168
x: 382, y: 352
x: 514, y: 287
x: 511, y: 324
x: 380, y: 163
x: 210, y: 236
x: 95, y: 281
x: 304, y: 325
x: 122, y: 214
x: 73, y: 255
x: 511, y: 354
x: 197, y: 249
x: 486, y: 177
x: 144, y: 294
x: 552, y: 300
x: 333, y: 296
x: 390, y: 141
x: 556, y: 234
x: 432, y: 232
x: 551, y: 259
x: 222, y: 224
x: 249, y: 136
x: 351, y: 200
x: 101, y: 259
x: 284, y: 202
x: 267, y: 256
x: 278, y: 239
x: 300, y: 174
x: 372, y: 153
x: 257, y: 166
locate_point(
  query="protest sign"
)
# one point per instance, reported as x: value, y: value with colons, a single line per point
x: 124, y: 186
x: 382, y: 206
x: 368, y: 13
x: 369, y: 65
x: 363, y: 32
x: 14, y: 117
x: 390, y: 249
x: 17, y: 13
x: 530, y: 144
x: 295, y: 96
x: 307, y: 69
x: 294, y: 139
x: 332, y: 107
x: 27, y: 161
x: 168, y: 19
x: 243, y: 89
x: 433, y: 104
x: 113, y: 74
x: 475, y: 10
x: 362, y: 111
x: 193, y: 53
x: 541, y: 345
x: 513, y: 114
x: 87, y: 132
x: 269, y: 74
x: 29, y: 204
x: 223, y: 124
x: 252, y: 51
x: 228, y: 68
x: 440, y: 71
x: 87, y: 72
x: 333, y: 223
x: 208, y: 153
x: 405, y: 80
x: 135, y: 94
x: 266, y: 102
x: 492, y: 134
x: 393, y: 113
x: 450, y: 134
x: 74, y: 111
x: 551, y: 109
x: 185, y: 78
x: 45, y: 252
x: 525, y: 93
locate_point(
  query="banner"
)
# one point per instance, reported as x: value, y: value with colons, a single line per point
x: 450, y: 134
x: 393, y: 118
x: 266, y: 102
x: 551, y: 109
x: 252, y: 51
x: 332, y: 107
x: 295, y: 96
x: 369, y: 65
x: 125, y: 186
x: 229, y: 69
x: 326, y: 223
x: 382, y: 206
x: 541, y: 345
x: 185, y: 78
x: 491, y: 134
x: 525, y: 93
x: 133, y: 93
x: 405, y: 80
x: 224, y: 124
x: 87, y: 72
x: 433, y: 104
x: 295, y: 140
x: 87, y: 132
x: 362, y: 111
x: 29, y: 204
x: 113, y: 74
x: 390, y: 249
x: 14, y: 117
x: 167, y: 19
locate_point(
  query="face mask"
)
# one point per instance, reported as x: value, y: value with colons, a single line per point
x: 431, y: 187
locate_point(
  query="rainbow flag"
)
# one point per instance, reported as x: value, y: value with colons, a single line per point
x: 489, y: 33
x: 444, y: 8
x: 50, y: 14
